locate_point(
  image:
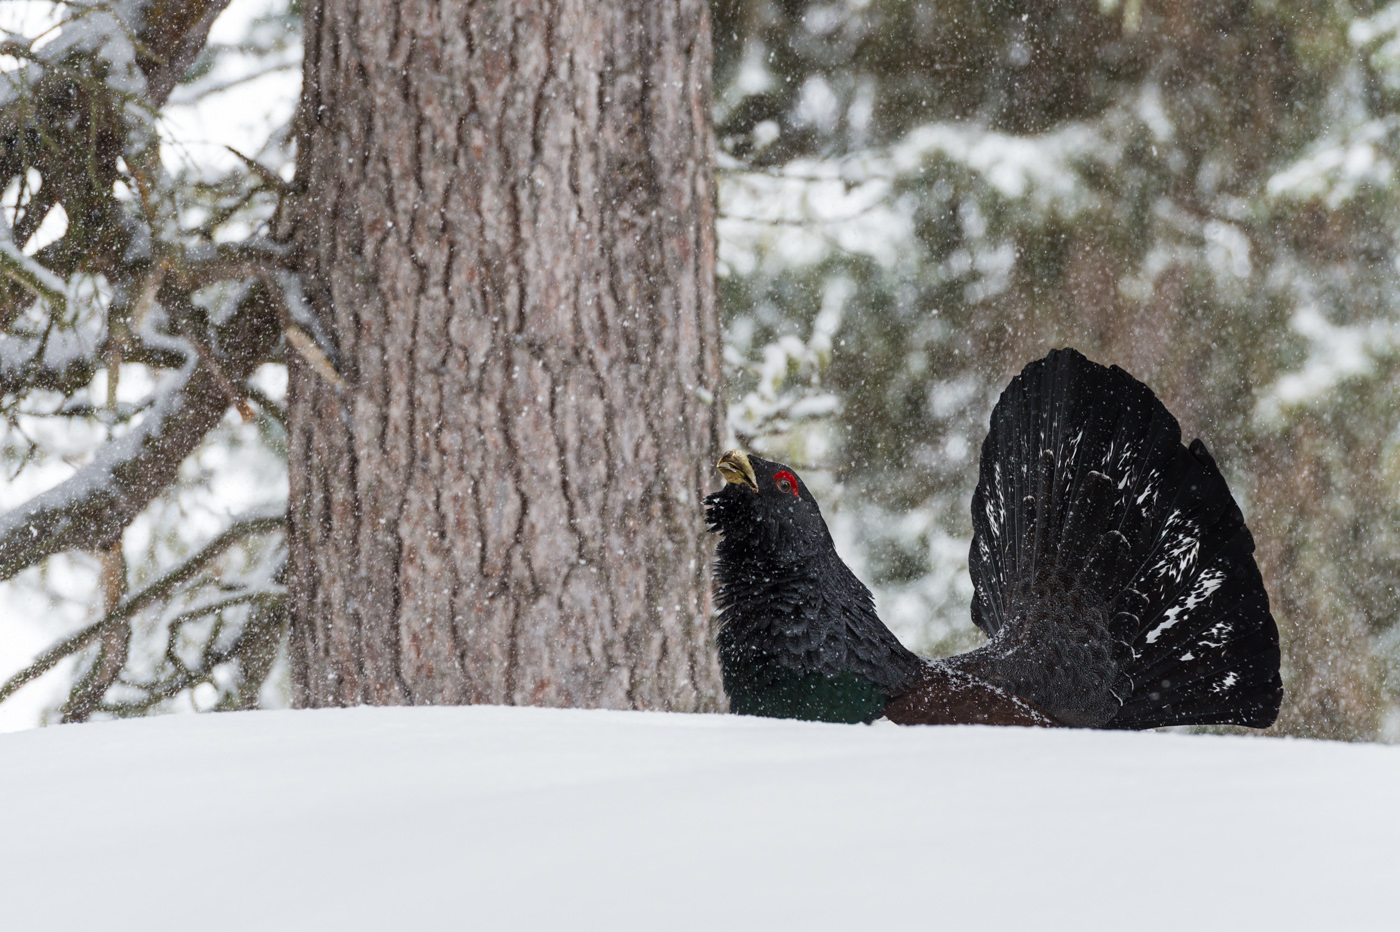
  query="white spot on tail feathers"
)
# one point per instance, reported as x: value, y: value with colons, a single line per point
x: 1180, y: 548
x: 1074, y: 445
x: 1219, y: 631
x: 996, y: 510
x: 1203, y: 589
x: 1228, y: 680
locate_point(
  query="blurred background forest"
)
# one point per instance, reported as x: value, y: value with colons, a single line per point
x: 916, y: 198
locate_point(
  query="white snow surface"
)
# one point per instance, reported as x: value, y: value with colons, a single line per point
x: 513, y: 818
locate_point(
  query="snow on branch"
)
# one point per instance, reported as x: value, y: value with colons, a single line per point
x: 91, y: 508
x: 28, y: 274
x: 148, y: 45
x: 172, y: 34
x: 156, y: 592
x: 75, y: 118
x: 58, y: 360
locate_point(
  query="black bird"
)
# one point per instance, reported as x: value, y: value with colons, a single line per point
x: 1114, y: 577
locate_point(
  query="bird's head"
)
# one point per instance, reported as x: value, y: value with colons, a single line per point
x: 766, y: 508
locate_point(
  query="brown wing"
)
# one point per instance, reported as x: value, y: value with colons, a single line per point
x: 948, y: 697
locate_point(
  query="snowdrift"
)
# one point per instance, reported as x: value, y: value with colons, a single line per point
x: 497, y: 818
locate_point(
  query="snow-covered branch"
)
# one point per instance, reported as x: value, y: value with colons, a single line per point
x: 156, y: 592
x: 172, y: 34
x: 91, y: 508
x: 28, y: 274
x: 75, y: 106
x: 60, y: 360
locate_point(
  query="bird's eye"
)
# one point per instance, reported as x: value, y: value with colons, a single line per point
x: 786, y: 482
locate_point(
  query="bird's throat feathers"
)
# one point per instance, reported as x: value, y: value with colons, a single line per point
x: 799, y: 636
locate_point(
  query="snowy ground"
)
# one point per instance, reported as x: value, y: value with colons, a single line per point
x: 495, y: 818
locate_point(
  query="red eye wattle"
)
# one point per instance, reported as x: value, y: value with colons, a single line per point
x: 786, y: 482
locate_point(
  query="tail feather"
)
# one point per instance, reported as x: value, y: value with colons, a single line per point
x: 1087, y: 496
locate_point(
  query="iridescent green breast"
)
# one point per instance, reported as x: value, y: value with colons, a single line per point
x: 845, y: 698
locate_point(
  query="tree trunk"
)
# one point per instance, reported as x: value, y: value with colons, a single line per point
x: 508, y: 234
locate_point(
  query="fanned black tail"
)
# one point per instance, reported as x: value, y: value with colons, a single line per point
x: 1086, y: 497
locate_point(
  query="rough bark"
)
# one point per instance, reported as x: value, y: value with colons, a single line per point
x: 508, y: 230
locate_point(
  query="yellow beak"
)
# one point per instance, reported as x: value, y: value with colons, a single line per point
x: 736, y: 469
